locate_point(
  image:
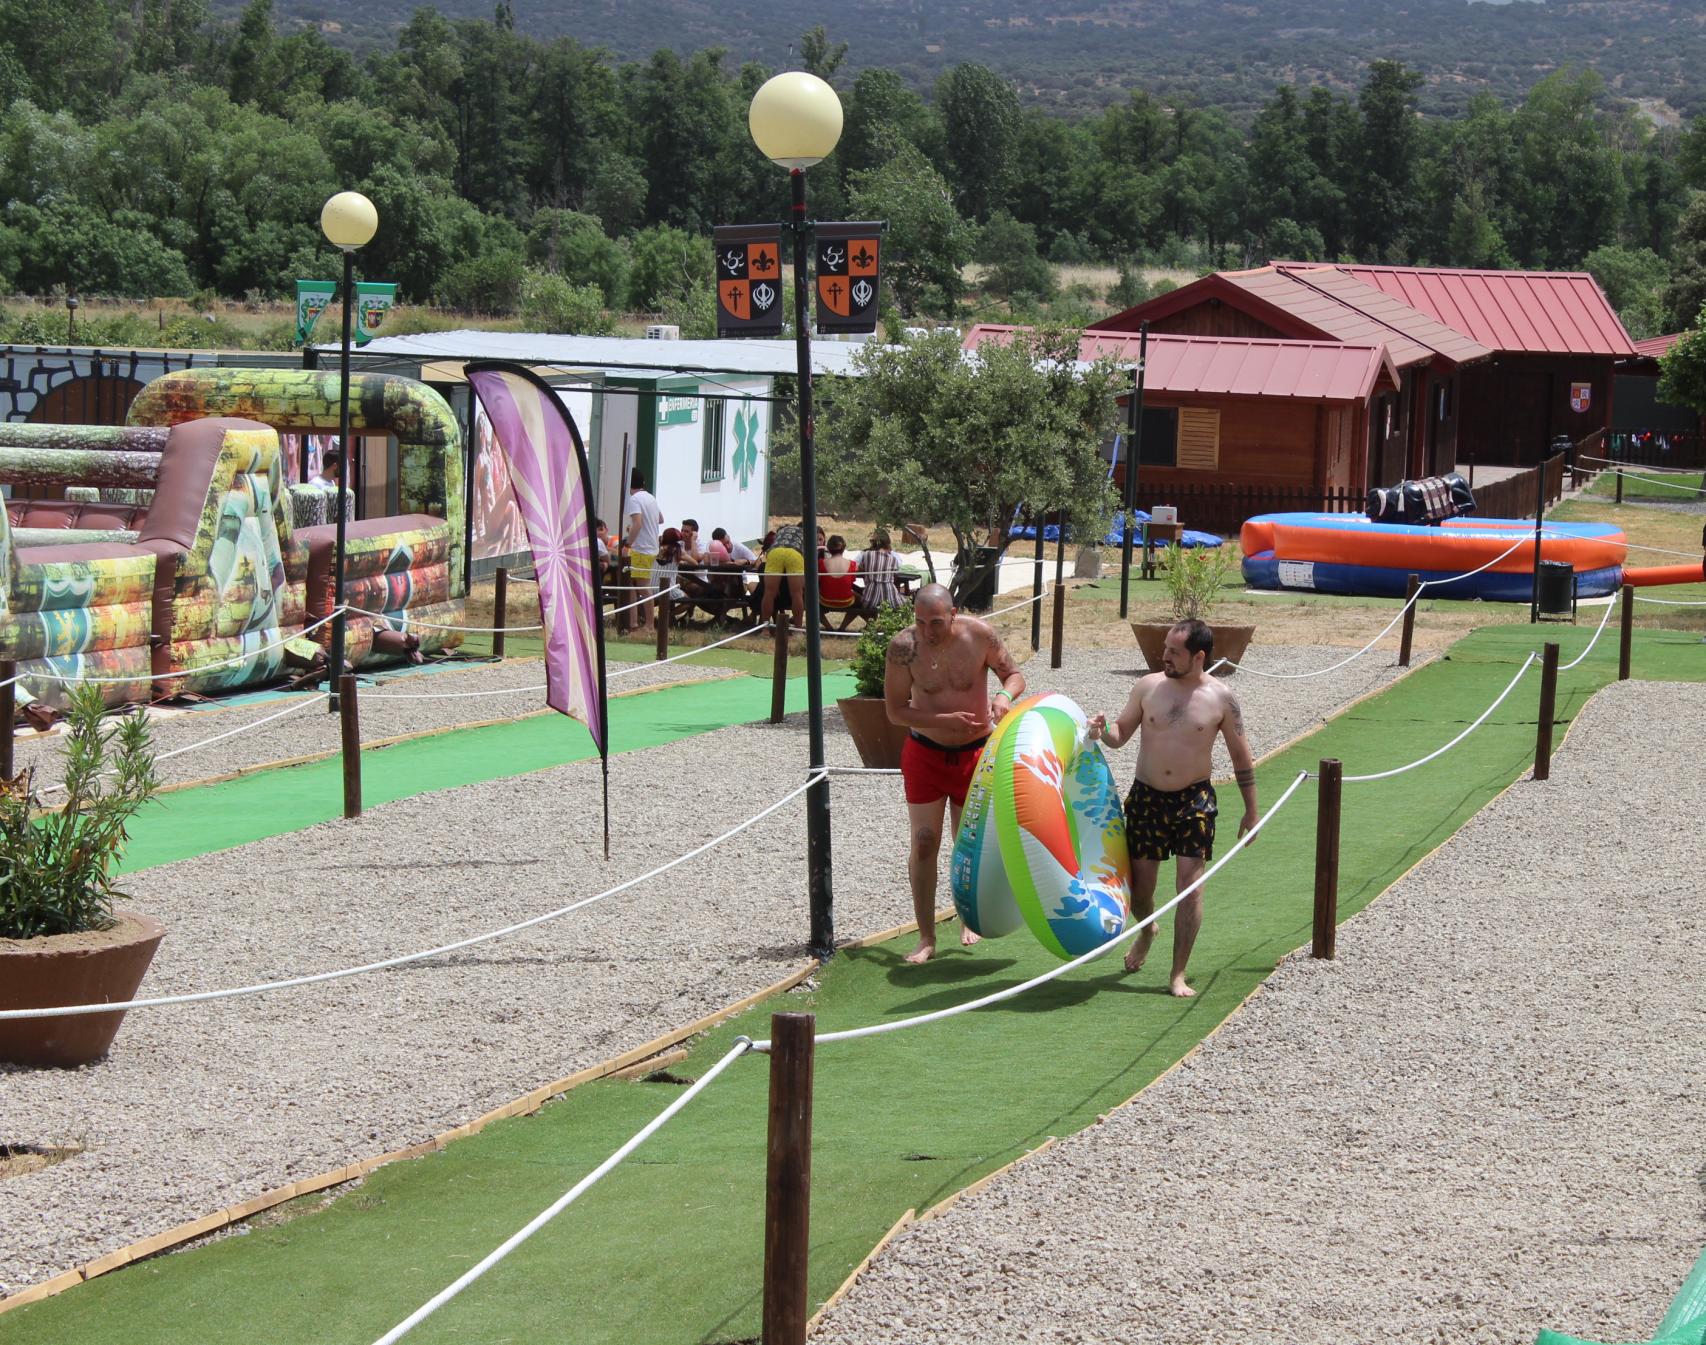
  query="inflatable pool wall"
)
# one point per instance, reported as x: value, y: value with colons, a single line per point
x: 1347, y: 554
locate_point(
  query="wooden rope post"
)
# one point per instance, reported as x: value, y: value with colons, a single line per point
x: 1324, y: 943
x: 788, y: 1178
x: 779, y: 668
x: 1037, y: 586
x: 664, y: 606
x: 1404, y: 641
x: 349, y: 721
x: 1058, y: 634
x: 1548, y: 704
x: 625, y: 621
x: 8, y: 719
x: 1619, y: 472
x: 500, y: 610
x: 1626, y: 637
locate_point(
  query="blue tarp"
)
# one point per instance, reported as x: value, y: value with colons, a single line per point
x: 1051, y: 533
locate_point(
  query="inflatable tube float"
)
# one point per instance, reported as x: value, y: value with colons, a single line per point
x: 1345, y: 553
x: 1042, y: 835
x: 1647, y: 576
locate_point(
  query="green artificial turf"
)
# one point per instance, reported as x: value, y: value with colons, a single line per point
x: 669, y: 1247
x: 195, y: 821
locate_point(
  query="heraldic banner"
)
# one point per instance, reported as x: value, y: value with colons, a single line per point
x: 373, y: 300
x: 749, y: 279
x: 313, y: 297
x: 847, y: 276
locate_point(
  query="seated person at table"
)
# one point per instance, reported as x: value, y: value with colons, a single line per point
x: 603, y: 534
x: 739, y: 552
x: 835, y: 581
x: 878, y: 566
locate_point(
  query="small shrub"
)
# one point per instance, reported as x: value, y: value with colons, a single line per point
x: 1195, y: 576
x: 870, y: 655
x: 56, y: 869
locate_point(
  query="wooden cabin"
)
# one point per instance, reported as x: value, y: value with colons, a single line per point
x: 1518, y: 357
x: 1412, y: 429
x: 1234, y: 426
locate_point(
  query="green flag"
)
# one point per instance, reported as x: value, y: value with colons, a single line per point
x: 372, y: 302
x: 313, y: 297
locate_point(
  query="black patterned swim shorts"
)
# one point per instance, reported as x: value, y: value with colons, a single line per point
x: 1160, y: 823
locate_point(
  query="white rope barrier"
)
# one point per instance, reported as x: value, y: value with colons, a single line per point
x: 1598, y: 631
x: 1619, y: 470
x: 919, y: 1020
x: 1670, y: 602
x: 408, y: 621
x: 689, y: 653
x: 293, y: 982
x: 1441, y: 751
x: 741, y: 1047
x: 652, y: 595
x: 1424, y: 584
x: 313, y: 699
x: 185, y: 672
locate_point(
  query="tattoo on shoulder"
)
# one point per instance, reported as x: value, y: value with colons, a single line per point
x: 1235, y: 712
x: 1000, y: 661
x: 903, y: 648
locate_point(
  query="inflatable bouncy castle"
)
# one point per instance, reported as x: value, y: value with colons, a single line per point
x: 194, y: 579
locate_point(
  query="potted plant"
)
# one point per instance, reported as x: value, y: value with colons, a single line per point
x: 1194, y: 578
x: 865, y: 714
x: 61, y: 940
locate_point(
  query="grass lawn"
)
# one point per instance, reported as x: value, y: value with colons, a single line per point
x: 1649, y: 483
x: 669, y: 1248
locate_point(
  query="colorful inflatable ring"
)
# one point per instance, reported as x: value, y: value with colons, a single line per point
x: 1042, y: 836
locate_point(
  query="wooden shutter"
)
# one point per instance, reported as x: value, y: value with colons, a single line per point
x: 1199, y: 438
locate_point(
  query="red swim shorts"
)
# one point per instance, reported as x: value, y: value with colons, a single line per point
x: 932, y: 772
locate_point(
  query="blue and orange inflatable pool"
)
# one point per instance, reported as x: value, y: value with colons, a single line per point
x: 1345, y: 553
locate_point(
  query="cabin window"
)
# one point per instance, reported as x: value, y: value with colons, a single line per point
x: 1160, y: 437
x: 1199, y: 439
x: 711, y: 462
x: 1386, y: 417
x: 1442, y: 401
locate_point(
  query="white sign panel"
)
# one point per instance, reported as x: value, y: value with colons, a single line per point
x: 1297, y: 574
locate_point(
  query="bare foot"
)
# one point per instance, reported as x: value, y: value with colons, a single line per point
x: 923, y: 953
x: 1179, y: 990
x: 968, y: 937
x: 1139, y: 951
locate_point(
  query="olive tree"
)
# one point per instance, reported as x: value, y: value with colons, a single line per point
x: 927, y: 432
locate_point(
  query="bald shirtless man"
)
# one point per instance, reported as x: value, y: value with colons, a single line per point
x: 1171, y: 807
x: 935, y: 685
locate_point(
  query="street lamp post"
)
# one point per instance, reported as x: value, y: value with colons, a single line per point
x: 795, y: 120
x: 71, y: 318
x: 349, y: 221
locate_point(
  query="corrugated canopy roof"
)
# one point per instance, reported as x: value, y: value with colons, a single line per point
x: 1319, y: 371
x: 1529, y: 312
x: 1654, y: 346
x: 616, y: 352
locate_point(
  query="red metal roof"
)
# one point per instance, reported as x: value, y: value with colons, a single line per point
x: 1382, y: 314
x: 1534, y: 312
x: 1319, y: 371
x: 1654, y: 346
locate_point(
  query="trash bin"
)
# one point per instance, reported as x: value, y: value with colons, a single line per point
x: 980, y: 597
x: 1556, y: 592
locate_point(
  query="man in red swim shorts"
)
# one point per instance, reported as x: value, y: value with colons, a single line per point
x: 936, y: 685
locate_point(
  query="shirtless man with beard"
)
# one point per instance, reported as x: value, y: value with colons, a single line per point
x: 1171, y: 808
x: 935, y: 685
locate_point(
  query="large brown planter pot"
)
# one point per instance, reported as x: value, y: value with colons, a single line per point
x: 97, y: 967
x: 867, y: 719
x: 1230, y: 642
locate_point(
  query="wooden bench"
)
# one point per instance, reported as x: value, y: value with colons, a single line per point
x: 1157, y: 537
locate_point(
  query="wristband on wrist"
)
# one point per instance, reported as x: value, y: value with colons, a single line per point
x: 1002, y: 691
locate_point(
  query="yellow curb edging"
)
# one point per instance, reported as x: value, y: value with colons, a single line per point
x: 637, y: 1059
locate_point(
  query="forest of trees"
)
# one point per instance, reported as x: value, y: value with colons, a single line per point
x: 149, y: 149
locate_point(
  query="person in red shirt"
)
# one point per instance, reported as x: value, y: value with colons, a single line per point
x: 835, y: 581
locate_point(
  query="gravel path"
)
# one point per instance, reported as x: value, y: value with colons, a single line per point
x: 1480, y: 1120
x: 312, y: 730
x: 275, y: 1088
